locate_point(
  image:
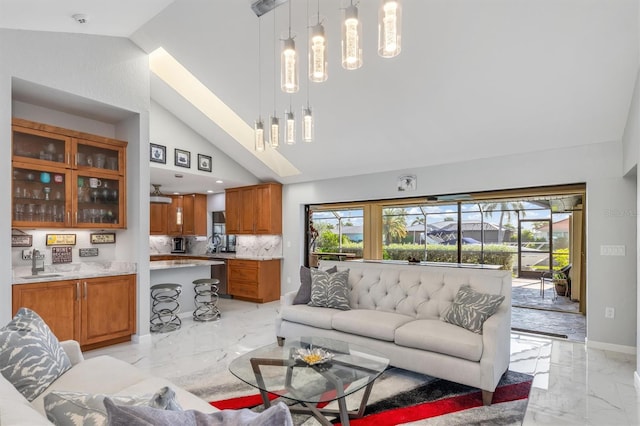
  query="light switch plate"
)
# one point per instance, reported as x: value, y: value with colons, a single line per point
x: 613, y: 250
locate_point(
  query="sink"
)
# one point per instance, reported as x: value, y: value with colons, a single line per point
x: 33, y: 277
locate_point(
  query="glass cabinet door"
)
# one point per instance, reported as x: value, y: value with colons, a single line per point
x: 39, y: 147
x: 98, y: 200
x: 40, y: 196
x: 99, y: 157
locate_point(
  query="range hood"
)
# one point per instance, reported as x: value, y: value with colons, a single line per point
x: 156, y: 196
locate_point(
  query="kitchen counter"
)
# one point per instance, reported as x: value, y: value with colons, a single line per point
x: 73, y: 271
x: 222, y: 255
x: 182, y: 263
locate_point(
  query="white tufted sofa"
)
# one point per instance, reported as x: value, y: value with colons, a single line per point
x: 396, y: 309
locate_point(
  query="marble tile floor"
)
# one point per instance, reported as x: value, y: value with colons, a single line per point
x: 533, y: 313
x: 573, y: 385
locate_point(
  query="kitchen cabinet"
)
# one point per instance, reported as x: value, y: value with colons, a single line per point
x: 94, y: 311
x: 254, y: 280
x: 158, y: 219
x: 63, y: 178
x: 255, y: 209
x: 193, y: 212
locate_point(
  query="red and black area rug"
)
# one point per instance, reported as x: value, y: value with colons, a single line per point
x: 401, y: 397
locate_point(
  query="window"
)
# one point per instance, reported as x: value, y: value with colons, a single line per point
x: 528, y: 232
x: 334, y: 231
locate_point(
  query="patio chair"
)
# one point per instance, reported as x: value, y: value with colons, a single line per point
x: 550, y: 275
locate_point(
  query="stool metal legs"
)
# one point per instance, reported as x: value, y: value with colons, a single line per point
x: 206, y: 299
x: 165, y: 307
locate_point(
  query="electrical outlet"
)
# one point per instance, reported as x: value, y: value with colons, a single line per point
x: 609, y: 312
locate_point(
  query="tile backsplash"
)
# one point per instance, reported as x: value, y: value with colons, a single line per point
x: 259, y: 246
x: 246, y: 245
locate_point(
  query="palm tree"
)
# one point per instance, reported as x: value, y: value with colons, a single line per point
x: 506, y: 208
x: 393, y: 225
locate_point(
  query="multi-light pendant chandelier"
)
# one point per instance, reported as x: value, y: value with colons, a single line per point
x: 389, y: 45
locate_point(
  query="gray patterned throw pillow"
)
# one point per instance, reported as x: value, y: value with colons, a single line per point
x: 81, y: 409
x: 470, y: 309
x: 330, y: 290
x: 304, y: 292
x: 31, y: 357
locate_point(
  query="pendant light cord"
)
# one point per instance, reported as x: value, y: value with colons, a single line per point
x: 259, y: 70
x: 309, y: 44
x: 274, y: 64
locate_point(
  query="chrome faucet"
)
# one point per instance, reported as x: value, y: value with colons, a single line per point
x: 34, y: 262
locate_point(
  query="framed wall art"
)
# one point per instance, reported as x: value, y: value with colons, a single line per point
x: 204, y: 163
x: 158, y: 153
x: 103, y: 238
x: 182, y: 158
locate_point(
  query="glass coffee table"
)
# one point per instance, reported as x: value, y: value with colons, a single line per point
x: 312, y: 371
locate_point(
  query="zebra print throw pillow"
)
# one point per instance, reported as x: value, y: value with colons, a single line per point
x: 31, y: 357
x: 330, y: 290
x: 470, y: 309
x: 78, y: 408
x: 304, y: 292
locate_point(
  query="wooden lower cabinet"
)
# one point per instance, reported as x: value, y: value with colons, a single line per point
x: 254, y: 280
x: 94, y: 311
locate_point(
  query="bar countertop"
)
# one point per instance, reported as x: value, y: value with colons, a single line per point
x: 182, y: 263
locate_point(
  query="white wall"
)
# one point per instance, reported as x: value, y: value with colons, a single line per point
x: 631, y: 154
x: 610, y: 281
x: 166, y: 129
x: 101, y: 70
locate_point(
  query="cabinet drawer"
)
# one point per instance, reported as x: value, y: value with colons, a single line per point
x: 242, y: 274
x: 244, y: 290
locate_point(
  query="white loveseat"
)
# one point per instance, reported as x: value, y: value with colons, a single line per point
x: 99, y: 375
x: 397, y: 309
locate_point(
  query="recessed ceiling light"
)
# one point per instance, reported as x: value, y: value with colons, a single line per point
x: 210, y: 191
x: 219, y: 181
x: 176, y: 193
x: 178, y: 175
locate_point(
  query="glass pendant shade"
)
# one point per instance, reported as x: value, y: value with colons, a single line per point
x: 317, y: 54
x: 290, y: 129
x: 274, y: 135
x: 179, y: 216
x: 351, y: 39
x: 259, y: 135
x: 389, y: 24
x: 307, y: 125
x: 289, y: 67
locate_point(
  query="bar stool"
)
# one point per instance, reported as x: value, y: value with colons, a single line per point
x: 206, y: 299
x: 165, y: 307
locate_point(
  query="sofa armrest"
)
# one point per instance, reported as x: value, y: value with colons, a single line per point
x: 496, y: 341
x: 287, y: 298
x: 72, y: 348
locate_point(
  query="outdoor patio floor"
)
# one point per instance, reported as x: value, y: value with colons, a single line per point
x: 534, y: 314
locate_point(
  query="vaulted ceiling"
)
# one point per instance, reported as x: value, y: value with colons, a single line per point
x: 475, y: 79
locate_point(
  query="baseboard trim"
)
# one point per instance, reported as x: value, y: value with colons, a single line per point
x: 136, y: 338
x: 631, y: 350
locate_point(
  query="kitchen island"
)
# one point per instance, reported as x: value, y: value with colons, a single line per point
x: 182, y: 271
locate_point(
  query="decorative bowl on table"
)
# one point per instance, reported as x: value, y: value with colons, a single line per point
x: 313, y: 356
